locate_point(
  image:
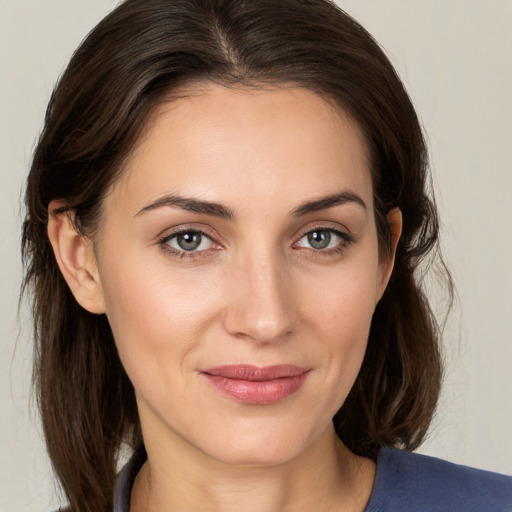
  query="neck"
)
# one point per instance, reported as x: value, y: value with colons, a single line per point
x: 326, y: 476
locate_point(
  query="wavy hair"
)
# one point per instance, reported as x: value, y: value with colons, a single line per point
x: 130, y: 63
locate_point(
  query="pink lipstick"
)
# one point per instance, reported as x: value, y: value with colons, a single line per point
x: 257, y: 385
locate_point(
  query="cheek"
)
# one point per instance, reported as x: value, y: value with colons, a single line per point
x: 346, y: 326
x: 340, y: 313
x: 155, y: 315
x: 344, y: 300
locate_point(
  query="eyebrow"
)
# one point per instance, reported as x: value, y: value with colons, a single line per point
x: 328, y: 202
x: 218, y: 210
x: 190, y: 204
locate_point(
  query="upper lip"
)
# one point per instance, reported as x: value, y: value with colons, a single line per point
x: 256, y: 373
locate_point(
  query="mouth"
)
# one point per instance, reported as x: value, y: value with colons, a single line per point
x: 257, y: 385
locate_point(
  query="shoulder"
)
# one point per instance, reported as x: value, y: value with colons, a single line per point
x: 418, y: 483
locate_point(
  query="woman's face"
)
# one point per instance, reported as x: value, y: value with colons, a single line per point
x: 239, y: 266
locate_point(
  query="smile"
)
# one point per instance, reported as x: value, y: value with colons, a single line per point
x: 257, y: 385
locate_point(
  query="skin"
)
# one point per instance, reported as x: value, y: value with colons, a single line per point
x: 255, y: 291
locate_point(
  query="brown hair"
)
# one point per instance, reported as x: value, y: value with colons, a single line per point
x: 125, y: 67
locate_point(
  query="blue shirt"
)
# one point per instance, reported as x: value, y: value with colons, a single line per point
x: 405, y: 481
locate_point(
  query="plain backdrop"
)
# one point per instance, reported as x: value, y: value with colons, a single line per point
x: 455, y: 57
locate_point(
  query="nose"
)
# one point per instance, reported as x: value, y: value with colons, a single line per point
x: 260, y: 308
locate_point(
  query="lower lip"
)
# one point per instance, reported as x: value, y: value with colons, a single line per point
x: 261, y: 392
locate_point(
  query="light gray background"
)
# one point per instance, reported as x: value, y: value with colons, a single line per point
x: 455, y: 57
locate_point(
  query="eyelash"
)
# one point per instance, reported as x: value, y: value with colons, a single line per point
x: 182, y: 254
x: 346, y: 240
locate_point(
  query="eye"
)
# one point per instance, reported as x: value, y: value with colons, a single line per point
x: 189, y: 241
x: 321, y: 239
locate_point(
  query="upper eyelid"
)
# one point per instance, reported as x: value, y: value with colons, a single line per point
x: 179, y: 232
x: 342, y: 231
x: 345, y: 237
x: 170, y: 233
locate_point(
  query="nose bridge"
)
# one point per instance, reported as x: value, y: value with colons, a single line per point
x: 260, y: 308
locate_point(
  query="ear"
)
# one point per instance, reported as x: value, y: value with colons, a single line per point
x: 76, y: 258
x: 387, y: 261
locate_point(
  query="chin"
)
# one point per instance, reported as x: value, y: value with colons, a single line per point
x: 261, y: 456
x: 263, y: 447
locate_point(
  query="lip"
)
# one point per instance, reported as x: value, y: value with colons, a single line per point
x: 255, y: 384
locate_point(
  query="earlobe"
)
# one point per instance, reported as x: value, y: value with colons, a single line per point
x: 76, y: 259
x: 394, y: 218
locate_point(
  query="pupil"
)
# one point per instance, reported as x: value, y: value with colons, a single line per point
x: 189, y: 241
x: 319, y: 239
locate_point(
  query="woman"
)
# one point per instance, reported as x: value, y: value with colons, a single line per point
x: 226, y: 211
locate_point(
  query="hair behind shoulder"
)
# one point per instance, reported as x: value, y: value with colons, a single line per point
x: 128, y: 65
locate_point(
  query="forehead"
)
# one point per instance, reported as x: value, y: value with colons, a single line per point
x: 235, y: 145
